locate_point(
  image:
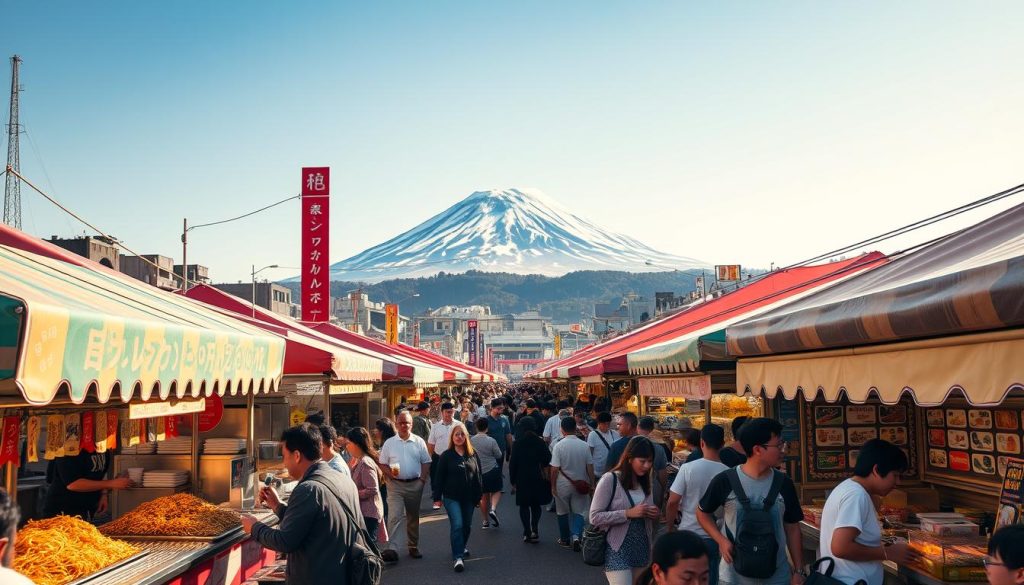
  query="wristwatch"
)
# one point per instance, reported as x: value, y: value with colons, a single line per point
x: 802, y: 571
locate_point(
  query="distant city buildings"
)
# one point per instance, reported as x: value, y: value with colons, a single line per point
x: 269, y: 295
x: 357, y: 312
x: 632, y: 309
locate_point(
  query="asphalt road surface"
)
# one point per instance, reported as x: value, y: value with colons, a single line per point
x: 498, y: 555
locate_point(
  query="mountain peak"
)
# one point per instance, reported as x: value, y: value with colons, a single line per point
x: 519, y: 230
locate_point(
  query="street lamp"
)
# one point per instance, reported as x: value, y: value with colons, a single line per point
x: 254, y: 273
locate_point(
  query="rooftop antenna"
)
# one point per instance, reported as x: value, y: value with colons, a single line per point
x: 12, y: 190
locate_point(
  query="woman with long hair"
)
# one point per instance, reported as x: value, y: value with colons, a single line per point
x: 367, y: 477
x: 623, y: 505
x: 458, y: 485
x: 528, y: 474
x: 678, y: 557
x: 383, y: 429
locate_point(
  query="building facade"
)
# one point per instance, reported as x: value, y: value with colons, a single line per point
x: 95, y: 248
x: 269, y: 295
x: 152, y: 269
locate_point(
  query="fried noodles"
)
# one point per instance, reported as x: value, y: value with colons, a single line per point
x: 61, y: 549
x: 177, y: 515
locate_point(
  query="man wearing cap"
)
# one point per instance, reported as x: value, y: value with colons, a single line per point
x: 440, y: 433
x: 420, y: 423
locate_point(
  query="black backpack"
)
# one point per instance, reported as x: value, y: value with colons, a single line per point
x: 755, y: 547
x: 365, y: 564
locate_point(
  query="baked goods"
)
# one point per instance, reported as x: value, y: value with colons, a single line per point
x: 176, y: 515
x: 62, y: 549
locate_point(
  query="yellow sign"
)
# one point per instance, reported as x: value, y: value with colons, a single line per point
x: 296, y: 417
x: 727, y: 272
x: 169, y: 408
x: 558, y: 346
x: 391, y: 323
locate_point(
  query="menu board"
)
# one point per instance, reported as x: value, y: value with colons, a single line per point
x: 834, y: 432
x: 1011, y: 496
x: 966, y: 442
x: 788, y: 413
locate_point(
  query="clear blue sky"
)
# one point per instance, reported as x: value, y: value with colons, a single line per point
x: 731, y: 132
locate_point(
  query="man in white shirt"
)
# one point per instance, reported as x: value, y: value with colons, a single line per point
x: 553, y: 429
x: 600, y: 441
x: 440, y: 433
x: 570, y: 460
x: 850, y: 532
x: 328, y: 455
x: 406, y: 464
x: 690, y: 484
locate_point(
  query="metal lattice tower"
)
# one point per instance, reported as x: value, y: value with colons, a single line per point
x: 12, y: 190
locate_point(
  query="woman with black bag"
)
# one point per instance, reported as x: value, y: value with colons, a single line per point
x: 528, y: 474
x: 623, y: 506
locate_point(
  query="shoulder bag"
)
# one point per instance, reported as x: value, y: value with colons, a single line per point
x: 595, y: 540
x: 582, y: 487
x: 365, y: 564
x: 822, y: 575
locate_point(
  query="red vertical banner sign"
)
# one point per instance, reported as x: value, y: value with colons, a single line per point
x: 316, y: 275
x: 471, y: 341
x: 11, y: 436
x: 88, y: 443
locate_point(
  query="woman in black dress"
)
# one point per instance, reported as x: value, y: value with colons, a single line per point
x: 528, y: 474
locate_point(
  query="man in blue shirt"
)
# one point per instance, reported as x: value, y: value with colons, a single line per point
x: 499, y: 429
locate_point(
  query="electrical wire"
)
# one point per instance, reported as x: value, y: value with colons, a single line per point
x: 192, y: 227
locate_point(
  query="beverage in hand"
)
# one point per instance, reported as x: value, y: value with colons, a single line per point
x: 395, y: 469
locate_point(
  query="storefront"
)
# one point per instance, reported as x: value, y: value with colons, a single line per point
x: 93, y: 364
x: 925, y: 352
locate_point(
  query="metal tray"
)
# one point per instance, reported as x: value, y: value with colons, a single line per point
x: 165, y: 537
x: 110, y: 568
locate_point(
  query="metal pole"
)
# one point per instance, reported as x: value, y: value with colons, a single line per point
x: 327, y: 400
x: 184, y: 255
x: 11, y: 480
x: 250, y: 437
x: 195, y: 455
x: 253, y: 291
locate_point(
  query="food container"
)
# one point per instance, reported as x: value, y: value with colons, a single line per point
x: 949, y: 558
x: 270, y: 450
x: 947, y: 524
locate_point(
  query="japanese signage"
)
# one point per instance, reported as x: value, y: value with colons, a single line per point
x: 213, y: 412
x: 391, y: 323
x: 576, y: 327
x: 316, y: 277
x: 727, y: 272
x: 699, y: 284
x: 692, y: 387
x: 1011, y: 496
x: 10, y: 444
x: 171, y: 407
x: 471, y: 341
x: 558, y: 346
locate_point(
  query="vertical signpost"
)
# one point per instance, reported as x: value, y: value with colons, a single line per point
x: 490, y: 359
x: 471, y: 341
x: 391, y: 323
x: 558, y: 346
x: 416, y: 333
x: 316, y: 277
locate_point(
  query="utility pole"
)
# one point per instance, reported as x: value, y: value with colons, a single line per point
x: 12, y: 190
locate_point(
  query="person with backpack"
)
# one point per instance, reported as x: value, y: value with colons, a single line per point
x: 762, y: 513
x: 601, y: 440
x: 624, y: 508
x: 322, y: 511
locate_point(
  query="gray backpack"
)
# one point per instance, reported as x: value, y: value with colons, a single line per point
x: 755, y: 547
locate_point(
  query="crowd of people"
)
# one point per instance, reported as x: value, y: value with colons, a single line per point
x: 727, y: 515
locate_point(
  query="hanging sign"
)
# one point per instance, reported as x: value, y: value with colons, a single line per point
x: 1011, y: 496
x: 171, y: 426
x: 11, y: 436
x: 112, y: 429
x: 558, y: 346
x: 316, y: 268
x: 391, y: 323
x: 100, y: 431
x: 212, y: 414
x: 72, y: 435
x: 33, y: 428
x: 727, y: 272
x: 54, y: 437
x: 296, y: 417
x: 471, y: 341
x: 88, y: 432
x: 161, y: 409
x: 692, y: 387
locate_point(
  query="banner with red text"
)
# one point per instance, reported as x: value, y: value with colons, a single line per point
x: 316, y: 275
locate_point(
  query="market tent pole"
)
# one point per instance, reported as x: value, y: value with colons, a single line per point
x: 195, y: 455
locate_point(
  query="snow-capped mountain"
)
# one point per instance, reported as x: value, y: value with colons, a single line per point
x: 508, y: 230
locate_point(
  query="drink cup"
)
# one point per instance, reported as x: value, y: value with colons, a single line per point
x: 395, y: 469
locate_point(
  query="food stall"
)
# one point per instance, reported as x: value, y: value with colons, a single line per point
x: 924, y: 352
x: 94, y: 362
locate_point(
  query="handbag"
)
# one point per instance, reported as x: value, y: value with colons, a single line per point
x: 819, y: 576
x: 582, y: 487
x: 594, y: 541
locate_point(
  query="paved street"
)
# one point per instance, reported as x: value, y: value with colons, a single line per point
x: 498, y: 555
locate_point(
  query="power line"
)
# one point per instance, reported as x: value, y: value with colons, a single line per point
x: 192, y: 227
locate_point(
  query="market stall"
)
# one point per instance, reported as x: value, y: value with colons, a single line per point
x: 93, y: 364
x: 924, y: 352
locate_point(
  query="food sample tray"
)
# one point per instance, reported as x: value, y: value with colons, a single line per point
x: 166, y: 537
x: 109, y: 568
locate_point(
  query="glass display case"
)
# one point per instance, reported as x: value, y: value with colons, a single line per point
x: 950, y: 558
x: 726, y: 407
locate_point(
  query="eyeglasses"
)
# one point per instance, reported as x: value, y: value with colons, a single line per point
x: 781, y: 445
x: 991, y: 563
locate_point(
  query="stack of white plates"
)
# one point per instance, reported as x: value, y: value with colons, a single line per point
x: 140, y: 449
x: 177, y: 445
x: 164, y: 478
x: 223, y: 446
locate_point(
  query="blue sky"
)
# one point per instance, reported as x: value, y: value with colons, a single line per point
x: 731, y: 132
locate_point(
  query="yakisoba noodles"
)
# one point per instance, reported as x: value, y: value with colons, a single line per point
x: 61, y: 549
x: 177, y: 515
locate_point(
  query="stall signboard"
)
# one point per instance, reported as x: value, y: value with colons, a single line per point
x: 471, y: 341
x: 727, y: 272
x: 691, y: 387
x: 391, y: 324
x: 835, y: 431
x: 315, y: 233
x: 975, y: 444
x: 212, y: 413
x: 166, y: 408
x: 1011, y: 496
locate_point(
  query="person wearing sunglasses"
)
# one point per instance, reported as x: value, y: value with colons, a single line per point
x: 1004, y: 564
